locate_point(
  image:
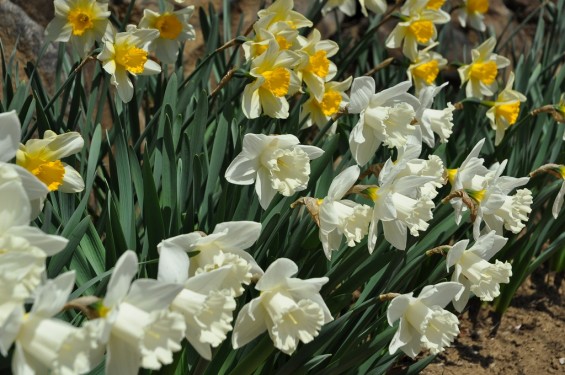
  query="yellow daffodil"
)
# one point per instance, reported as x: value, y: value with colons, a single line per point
x: 505, y: 110
x: 282, y: 33
x: 333, y: 100
x: 282, y: 11
x: 274, y: 79
x: 42, y: 157
x: 424, y: 70
x: 482, y: 72
x: 435, y: 4
x: 173, y: 28
x: 82, y: 22
x: 417, y: 27
x: 473, y: 13
x: 127, y: 53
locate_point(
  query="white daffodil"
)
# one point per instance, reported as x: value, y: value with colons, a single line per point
x: 274, y: 79
x: 282, y: 11
x: 342, y: 217
x: 135, y: 324
x: 23, y: 248
x: 399, y: 202
x: 316, y: 68
x: 42, y: 157
x: 424, y: 323
x: 125, y: 53
x: 385, y: 117
x: 473, y: 270
x: 473, y: 13
x: 10, y: 135
x: 46, y: 345
x: 439, y: 121
x: 275, y: 163
x: 375, y: 6
x: 173, y: 29
x: 291, y: 309
x: 417, y: 27
x: 558, y: 203
x: 207, y: 308
x: 82, y: 22
x: 281, y: 32
x: 424, y: 70
x: 223, y: 247
x: 483, y: 70
x: 505, y: 110
x: 348, y: 7
x: 334, y: 100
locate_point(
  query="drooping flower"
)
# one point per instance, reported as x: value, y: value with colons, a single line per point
x: 82, y: 22
x: 424, y: 322
x: 333, y: 101
x: 385, y: 117
x: 482, y: 72
x: 223, y: 247
x: 291, y: 309
x: 505, y: 110
x: 125, y: 53
x: 46, y: 345
x: 42, y: 157
x: 474, y: 272
x: 439, y: 121
x: 173, y: 29
x: 275, y: 163
x: 473, y: 13
x: 135, y: 325
x: 342, y: 217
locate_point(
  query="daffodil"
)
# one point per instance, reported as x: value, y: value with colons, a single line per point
x: 46, y: 345
x: 375, y: 6
x: 473, y: 13
x: 334, y: 100
x: 417, y: 27
x: 282, y: 11
x: 281, y: 32
x: 423, y: 321
x: 385, y: 117
x: 173, y: 29
x: 424, y: 70
x: 135, y: 325
x: 342, y: 217
x: 316, y: 68
x: 482, y: 72
x: 439, y: 121
x: 125, y: 53
x: 289, y: 308
x: 505, y: 110
x: 474, y: 272
x: 273, y: 80
x: 348, y: 7
x: 225, y: 246
x: 275, y: 163
x: 42, y: 157
x: 82, y: 22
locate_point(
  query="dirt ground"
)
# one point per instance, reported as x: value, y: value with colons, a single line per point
x: 529, y: 339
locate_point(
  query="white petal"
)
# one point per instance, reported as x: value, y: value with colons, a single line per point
x: 173, y: 264
x: 249, y: 324
x: 280, y: 269
x: 343, y: 182
x: 52, y: 296
x: 15, y: 209
x: 238, y: 234
x: 362, y: 89
x: 122, y: 358
x: 72, y: 181
x: 10, y: 135
x: 242, y: 170
x: 558, y: 201
x: 440, y: 294
x: 264, y: 189
x: 120, y: 281
x: 151, y: 295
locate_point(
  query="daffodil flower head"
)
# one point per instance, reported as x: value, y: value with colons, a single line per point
x: 173, y: 28
x: 424, y: 70
x: 439, y: 121
x: 282, y: 11
x: 473, y: 13
x: 424, y: 322
x: 348, y: 7
x: 334, y: 100
x: 125, y: 53
x: 482, y: 72
x: 82, y: 22
x: 474, y: 272
x: 281, y: 32
x: 505, y: 109
x: 42, y: 157
x: 275, y: 163
x: 291, y: 309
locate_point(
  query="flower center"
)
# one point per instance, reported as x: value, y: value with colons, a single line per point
x: 427, y: 71
x: 484, y: 71
x: 451, y: 173
x: 283, y: 42
x: 372, y: 192
x: 80, y: 20
x: 319, y: 64
x: 477, y: 195
x: 131, y: 58
x: 422, y: 30
x: 435, y: 4
x: 330, y: 102
x: 562, y: 171
x: 169, y: 26
x: 276, y: 81
x: 51, y: 173
x: 509, y: 111
x: 477, y: 6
